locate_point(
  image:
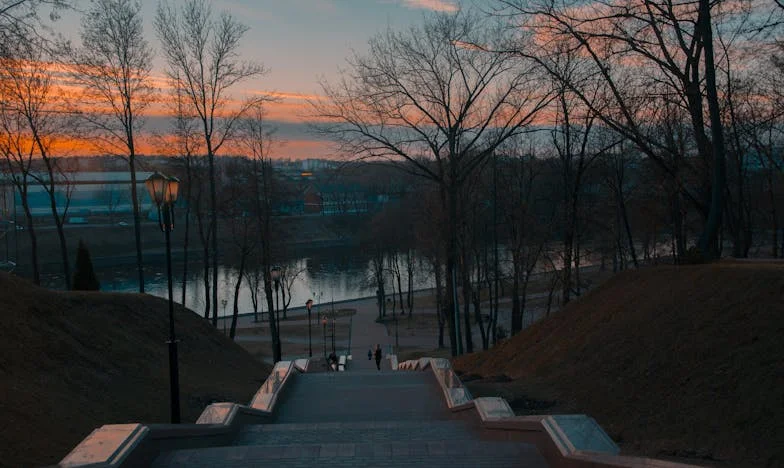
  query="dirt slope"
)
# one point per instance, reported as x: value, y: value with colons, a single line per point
x: 672, y: 361
x: 70, y: 362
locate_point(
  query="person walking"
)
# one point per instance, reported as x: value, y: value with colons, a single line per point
x: 370, y: 353
x: 378, y: 356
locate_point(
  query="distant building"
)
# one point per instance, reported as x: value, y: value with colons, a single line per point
x: 90, y: 193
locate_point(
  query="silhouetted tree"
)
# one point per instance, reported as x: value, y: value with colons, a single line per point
x: 437, y: 105
x: 201, y: 51
x: 113, y: 68
x: 84, y: 277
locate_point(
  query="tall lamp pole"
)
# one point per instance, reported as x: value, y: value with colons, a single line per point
x: 324, y: 326
x: 275, y: 274
x: 309, y: 305
x: 163, y: 191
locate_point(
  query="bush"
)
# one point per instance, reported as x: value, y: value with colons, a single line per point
x: 84, y: 278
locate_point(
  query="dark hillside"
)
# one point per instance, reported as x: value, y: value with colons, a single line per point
x: 672, y: 361
x: 73, y: 361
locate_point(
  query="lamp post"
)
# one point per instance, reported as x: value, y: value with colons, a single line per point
x: 397, y: 344
x: 275, y: 275
x: 333, y: 333
x: 309, y: 305
x: 324, y: 326
x: 163, y: 190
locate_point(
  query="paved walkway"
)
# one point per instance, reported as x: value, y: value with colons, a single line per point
x: 362, y: 419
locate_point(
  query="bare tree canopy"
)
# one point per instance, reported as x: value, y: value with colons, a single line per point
x: 113, y: 68
x: 649, y: 58
x: 201, y: 51
x: 432, y: 94
x: 19, y: 19
x: 435, y: 101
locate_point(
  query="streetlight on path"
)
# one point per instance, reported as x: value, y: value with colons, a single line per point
x: 275, y: 275
x: 163, y: 190
x: 309, y: 305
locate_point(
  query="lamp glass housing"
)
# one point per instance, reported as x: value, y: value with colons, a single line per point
x: 157, y: 185
x: 275, y: 273
x: 171, y: 190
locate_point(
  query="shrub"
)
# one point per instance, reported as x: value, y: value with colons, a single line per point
x: 84, y: 278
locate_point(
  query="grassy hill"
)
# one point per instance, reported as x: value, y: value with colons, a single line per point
x: 682, y: 362
x: 72, y: 361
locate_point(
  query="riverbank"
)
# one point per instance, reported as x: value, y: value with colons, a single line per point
x: 412, y: 334
x: 113, y: 243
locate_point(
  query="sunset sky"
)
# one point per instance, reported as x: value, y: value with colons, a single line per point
x: 300, y: 42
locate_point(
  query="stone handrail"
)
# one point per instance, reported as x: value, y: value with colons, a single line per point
x: 117, y: 445
x: 573, y: 441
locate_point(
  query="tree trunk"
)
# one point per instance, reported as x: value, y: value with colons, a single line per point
x: 137, y: 229
x: 399, y: 286
x: 627, y: 226
x: 467, y: 292
x: 439, y: 301
x: 449, y: 199
x: 566, y: 271
x: 517, y: 322
x: 213, y: 230
x: 206, y: 261
x: 774, y: 217
x: 707, y: 241
x: 33, y: 239
x: 186, y: 241
x: 410, y: 271
x: 236, y: 313
x: 60, y: 233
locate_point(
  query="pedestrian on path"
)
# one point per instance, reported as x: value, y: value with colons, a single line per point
x: 378, y: 356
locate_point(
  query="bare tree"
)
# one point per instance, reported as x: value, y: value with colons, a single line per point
x: 186, y: 138
x: 243, y: 234
x: 17, y: 150
x: 255, y: 137
x: 201, y: 50
x: 671, y: 45
x: 436, y: 104
x: 113, y: 68
x: 29, y: 92
x: 20, y: 20
x: 527, y: 235
x: 289, y: 276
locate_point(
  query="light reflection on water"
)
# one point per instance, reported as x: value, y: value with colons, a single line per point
x: 333, y: 274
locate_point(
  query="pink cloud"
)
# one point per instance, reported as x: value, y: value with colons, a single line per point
x: 435, y: 5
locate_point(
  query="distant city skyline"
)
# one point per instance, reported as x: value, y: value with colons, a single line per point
x: 300, y: 42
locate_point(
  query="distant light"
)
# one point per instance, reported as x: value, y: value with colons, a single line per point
x: 306, y: 174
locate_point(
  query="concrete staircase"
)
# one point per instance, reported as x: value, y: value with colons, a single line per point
x: 362, y: 418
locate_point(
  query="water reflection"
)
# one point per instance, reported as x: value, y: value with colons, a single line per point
x: 333, y: 274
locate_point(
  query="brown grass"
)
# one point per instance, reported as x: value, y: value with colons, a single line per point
x: 71, y: 361
x: 672, y: 361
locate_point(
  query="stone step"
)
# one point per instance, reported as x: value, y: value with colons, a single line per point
x: 364, y: 396
x: 366, y: 431
x: 430, y: 453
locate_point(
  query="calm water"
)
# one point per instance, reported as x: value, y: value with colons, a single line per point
x: 329, y: 274
x: 332, y: 274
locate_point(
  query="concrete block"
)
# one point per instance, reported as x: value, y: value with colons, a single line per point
x: 107, y: 445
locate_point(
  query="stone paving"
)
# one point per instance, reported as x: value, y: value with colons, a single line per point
x: 361, y: 418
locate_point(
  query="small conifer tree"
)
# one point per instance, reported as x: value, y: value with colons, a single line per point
x: 84, y: 278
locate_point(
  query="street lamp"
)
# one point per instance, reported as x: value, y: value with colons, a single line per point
x: 333, y: 334
x: 275, y: 275
x: 309, y: 305
x: 163, y: 190
x: 324, y: 326
x: 397, y: 343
